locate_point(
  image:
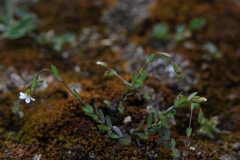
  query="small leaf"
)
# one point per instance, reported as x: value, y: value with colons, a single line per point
x: 165, y: 56
x: 191, y: 95
x: 95, y: 109
x: 34, y: 82
x: 113, y: 135
x: 88, y: 109
x: 175, y: 153
x: 149, y: 122
x: 101, y: 115
x: 109, y: 122
x: 197, y: 23
x: 117, y: 130
x: 167, y: 145
x: 146, y: 96
x: 176, y: 68
x: 160, y: 31
x: 108, y: 74
x: 189, y: 132
x: 151, y: 58
x: 194, y: 105
x: 173, y: 143
x: 134, y: 77
x: 124, y: 141
x: 140, y: 125
x: 104, y: 128
x: 142, y: 135
x: 76, y: 93
x: 108, y: 103
x: 155, y: 129
x: 96, y: 118
x: 54, y: 69
x: 126, y: 136
x: 57, y: 77
x: 166, y: 135
x: 143, y: 76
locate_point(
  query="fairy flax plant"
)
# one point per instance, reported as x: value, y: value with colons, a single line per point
x: 157, y: 122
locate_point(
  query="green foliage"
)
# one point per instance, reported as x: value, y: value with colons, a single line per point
x: 160, y: 31
x: 211, y: 52
x: 157, y: 122
x: 208, y: 127
x: 182, y: 31
x: 15, y: 21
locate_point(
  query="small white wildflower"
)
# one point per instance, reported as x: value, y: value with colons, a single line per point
x: 26, y: 96
x: 192, y: 148
x: 102, y: 64
x: 202, y: 99
x: 127, y: 119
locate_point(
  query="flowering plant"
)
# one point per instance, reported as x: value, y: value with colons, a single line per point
x: 157, y: 122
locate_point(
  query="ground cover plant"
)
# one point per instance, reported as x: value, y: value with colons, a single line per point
x: 132, y: 102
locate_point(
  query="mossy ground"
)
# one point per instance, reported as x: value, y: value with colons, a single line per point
x: 55, y: 127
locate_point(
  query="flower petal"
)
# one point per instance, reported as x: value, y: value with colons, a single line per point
x: 27, y: 100
x: 22, y: 95
x: 32, y: 99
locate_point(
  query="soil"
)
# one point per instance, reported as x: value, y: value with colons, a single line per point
x: 120, y: 33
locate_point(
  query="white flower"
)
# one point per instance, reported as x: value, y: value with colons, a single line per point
x: 202, y: 99
x: 127, y: 119
x: 26, y: 96
x: 102, y: 64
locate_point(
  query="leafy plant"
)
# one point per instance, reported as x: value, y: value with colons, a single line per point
x: 15, y: 22
x: 211, y: 51
x: 157, y: 122
x: 56, y: 41
x: 182, y: 31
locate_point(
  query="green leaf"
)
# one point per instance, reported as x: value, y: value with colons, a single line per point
x: 109, y: 122
x: 160, y: 31
x: 113, y: 135
x: 142, y: 135
x: 101, y: 115
x: 165, y: 56
x: 181, y: 102
x: 117, y: 130
x: 126, y: 136
x: 34, y: 82
x: 173, y: 143
x: 175, y: 153
x: 154, y: 129
x: 57, y: 77
x: 176, y: 68
x: 104, y: 128
x: 140, y: 125
x: 197, y: 23
x: 143, y: 76
x: 189, y: 132
x: 134, y: 77
x: 124, y: 141
x: 21, y: 28
x: 87, y: 109
x: 76, y: 93
x: 149, y: 122
x: 192, y: 95
x: 194, y: 105
x: 95, y: 117
x: 151, y: 58
x: 96, y: 110
x: 54, y: 69
x: 166, y: 135
x: 167, y: 145
x: 146, y: 96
